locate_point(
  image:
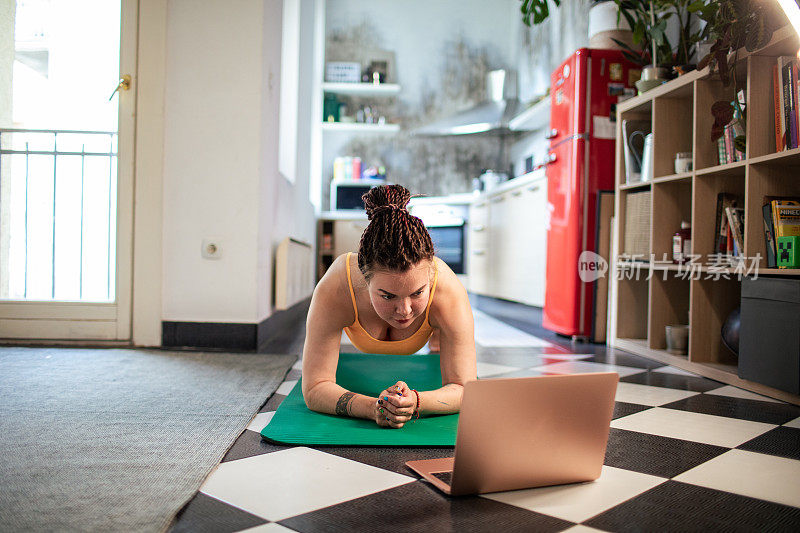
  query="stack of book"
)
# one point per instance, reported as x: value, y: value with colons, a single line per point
x: 726, y: 149
x: 781, y: 219
x: 729, y: 234
x: 786, y: 102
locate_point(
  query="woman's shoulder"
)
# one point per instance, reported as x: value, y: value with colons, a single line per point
x: 450, y: 297
x: 333, y: 290
x: 447, y: 279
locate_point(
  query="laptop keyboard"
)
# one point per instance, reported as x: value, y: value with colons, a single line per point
x: 447, y: 477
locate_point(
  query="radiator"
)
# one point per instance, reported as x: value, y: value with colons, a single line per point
x: 294, y: 272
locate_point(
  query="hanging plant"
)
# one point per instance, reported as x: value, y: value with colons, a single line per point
x: 733, y: 24
x: 536, y: 11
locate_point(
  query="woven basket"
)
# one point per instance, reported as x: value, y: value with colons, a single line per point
x: 636, y: 237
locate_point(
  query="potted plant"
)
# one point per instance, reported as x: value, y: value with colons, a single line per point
x: 649, y: 19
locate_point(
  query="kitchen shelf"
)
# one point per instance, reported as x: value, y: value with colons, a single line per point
x: 640, y: 308
x: 362, y: 89
x: 359, y: 127
x: 536, y: 117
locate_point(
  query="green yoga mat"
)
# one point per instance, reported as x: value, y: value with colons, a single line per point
x: 369, y: 374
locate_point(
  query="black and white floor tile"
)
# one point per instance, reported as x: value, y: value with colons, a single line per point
x: 684, y: 453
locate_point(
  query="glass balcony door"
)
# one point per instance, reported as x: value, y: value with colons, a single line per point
x: 67, y: 105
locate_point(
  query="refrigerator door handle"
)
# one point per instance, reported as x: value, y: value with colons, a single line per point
x: 551, y: 158
x: 574, y: 137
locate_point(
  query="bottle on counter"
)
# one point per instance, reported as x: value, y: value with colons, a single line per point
x: 338, y: 169
x: 348, y: 168
x: 682, y: 243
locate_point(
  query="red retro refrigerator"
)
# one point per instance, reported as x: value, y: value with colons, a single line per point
x: 580, y: 164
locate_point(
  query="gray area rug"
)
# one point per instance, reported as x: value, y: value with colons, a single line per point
x: 118, y: 439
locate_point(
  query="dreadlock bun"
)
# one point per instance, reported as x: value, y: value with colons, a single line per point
x: 394, y: 239
x: 385, y: 199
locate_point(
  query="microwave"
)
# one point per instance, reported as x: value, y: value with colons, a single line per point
x: 347, y: 194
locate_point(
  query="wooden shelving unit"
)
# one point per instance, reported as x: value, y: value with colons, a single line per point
x: 663, y: 294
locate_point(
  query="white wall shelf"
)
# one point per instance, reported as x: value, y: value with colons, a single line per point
x: 359, y: 127
x: 534, y: 118
x: 362, y: 89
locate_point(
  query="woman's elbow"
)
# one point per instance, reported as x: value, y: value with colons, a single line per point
x: 311, y: 396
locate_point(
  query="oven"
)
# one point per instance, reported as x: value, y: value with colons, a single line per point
x: 446, y: 225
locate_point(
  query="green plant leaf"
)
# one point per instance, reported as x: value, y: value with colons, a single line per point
x: 696, y: 6
x: 639, y: 60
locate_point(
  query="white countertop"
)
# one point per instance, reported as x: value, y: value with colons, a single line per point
x: 525, y: 179
x: 465, y: 198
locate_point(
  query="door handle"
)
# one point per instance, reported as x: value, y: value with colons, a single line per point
x: 124, y: 84
x: 551, y: 158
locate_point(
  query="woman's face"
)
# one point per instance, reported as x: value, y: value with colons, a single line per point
x: 400, y: 297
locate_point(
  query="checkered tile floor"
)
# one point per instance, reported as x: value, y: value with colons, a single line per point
x: 684, y: 453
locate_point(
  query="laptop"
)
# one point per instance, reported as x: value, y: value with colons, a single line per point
x: 519, y: 433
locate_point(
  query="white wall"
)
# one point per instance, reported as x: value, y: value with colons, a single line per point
x: 220, y: 177
x: 7, y: 10
x: 285, y: 209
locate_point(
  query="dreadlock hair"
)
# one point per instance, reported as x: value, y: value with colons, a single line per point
x: 394, y: 239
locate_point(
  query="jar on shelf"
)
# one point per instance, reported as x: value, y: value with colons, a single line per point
x: 683, y: 162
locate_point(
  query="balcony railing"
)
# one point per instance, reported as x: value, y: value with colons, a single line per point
x: 58, y: 203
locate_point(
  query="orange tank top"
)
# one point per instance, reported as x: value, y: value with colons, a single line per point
x: 369, y: 344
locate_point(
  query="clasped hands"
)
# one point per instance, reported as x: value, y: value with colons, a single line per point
x: 395, y: 405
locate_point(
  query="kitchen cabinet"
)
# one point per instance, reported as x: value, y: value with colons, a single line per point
x: 337, y: 234
x: 478, y: 247
x: 507, y: 241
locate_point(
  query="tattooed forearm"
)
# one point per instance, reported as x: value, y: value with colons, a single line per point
x: 343, y: 405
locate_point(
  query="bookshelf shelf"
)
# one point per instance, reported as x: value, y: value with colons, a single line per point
x: 674, y: 177
x: 650, y: 295
x: 633, y: 186
x: 663, y: 266
x: 779, y: 271
x: 728, y: 169
x: 785, y: 157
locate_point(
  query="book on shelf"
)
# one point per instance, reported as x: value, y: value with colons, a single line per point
x: 726, y: 146
x: 736, y: 225
x: 786, y: 217
x: 777, y: 90
x: 781, y: 216
x: 769, y: 236
x: 785, y: 81
x: 723, y: 237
